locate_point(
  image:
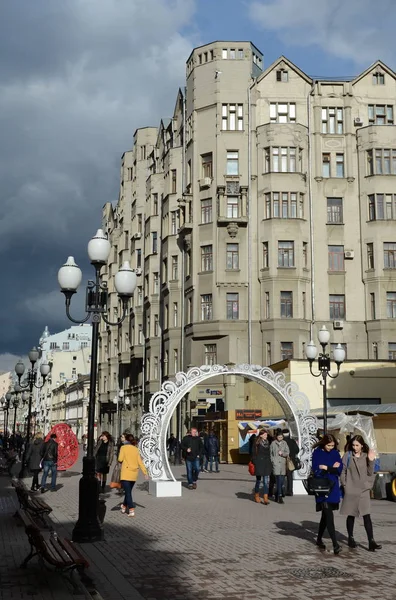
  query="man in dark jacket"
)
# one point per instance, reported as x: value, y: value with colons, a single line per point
x: 293, y: 452
x: 50, y: 460
x: 193, y: 448
x: 212, y: 448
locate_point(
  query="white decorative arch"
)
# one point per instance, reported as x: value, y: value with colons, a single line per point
x: 154, y: 424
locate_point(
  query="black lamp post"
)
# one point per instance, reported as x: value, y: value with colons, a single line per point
x: 88, y: 527
x: 5, y: 402
x: 122, y: 404
x: 31, y: 382
x: 324, y: 365
x: 17, y: 396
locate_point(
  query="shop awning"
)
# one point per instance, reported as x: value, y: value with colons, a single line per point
x: 349, y: 409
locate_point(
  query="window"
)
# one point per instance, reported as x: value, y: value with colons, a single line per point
x: 337, y: 306
x: 175, y: 268
x: 232, y: 162
x: 378, y: 78
x: 65, y: 346
x: 374, y: 346
x: 224, y: 53
x: 174, y: 221
x: 282, y: 75
x: 391, y: 305
x: 53, y: 346
x: 382, y: 207
x: 166, y: 319
x: 206, y: 210
x: 175, y: 360
x: 380, y: 114
x: 206, y: 307
x: 232, y: 117
x: 232, y: 261
x: 138, y: 258
x: 370, y: 256
x: 326, y: 171
x: 140, y: 334
x: 165, y: 270
x: 282, y: 159
x: 207, y: 258
x: 286, y: 305
x: 305, y: 255
x: 340, y: 165
x: 372, y: 306
x: 232, y: 301
x: 154, y: 236
x: 155, y: 283
x: 155, y: 374
x: 166, y: 363
x: 175, y: 314
x: 207, y: 165
x: 265, y: 255
x: 267, y: 306
x: 155, y: 204
x: 332, y: 120
x: 389, y: 255
x: 285, y: 254
x: 140, y: 223
x: 173, y: 181
x: 284, y: 205
x: 156, y: 326
x: 210, y: 354
x: 139, y: 295
x: 334, y: 210
x: 282, y: 112
x: 241, y: 53
x: 232, y: 207
x: 268, y: 352
x: 304, y: 306
x: 232, y: 55
x: 391, y: 351
x: 336, y: 258
x: 334, y: 346
x: 381, y: 161
x: 286, y: 350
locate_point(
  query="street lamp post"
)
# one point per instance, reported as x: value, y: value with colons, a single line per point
x: 8, y: 398
x: 122, y: 403
x: 31, y: 383
x: 18, y: 395
x: 88, y: 527
x: 324, y: 364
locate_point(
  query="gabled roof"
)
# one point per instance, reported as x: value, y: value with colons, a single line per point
x: 179, y: 101
x: 378, y: 64
x: 288, y: 63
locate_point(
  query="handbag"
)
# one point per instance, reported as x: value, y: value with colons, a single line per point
x: 115, y: 482
x: 251, y: 468
x: 318, y: 486
x: 289, y: 464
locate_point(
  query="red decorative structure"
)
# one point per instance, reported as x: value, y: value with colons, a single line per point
x: 67, y: 445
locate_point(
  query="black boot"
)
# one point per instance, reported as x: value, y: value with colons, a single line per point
x: 280, y: 500
x: 320, y: 544
x: 336, y: 549
x: 374, y: 546
x: 351, y: 542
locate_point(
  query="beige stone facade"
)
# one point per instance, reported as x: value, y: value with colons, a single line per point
x: 266, y: 205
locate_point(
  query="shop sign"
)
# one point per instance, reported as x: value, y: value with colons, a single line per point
x: 248, y: 415
x: 210, y: 392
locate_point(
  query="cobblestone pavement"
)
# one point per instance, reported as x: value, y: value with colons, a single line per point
x: 213, y: 543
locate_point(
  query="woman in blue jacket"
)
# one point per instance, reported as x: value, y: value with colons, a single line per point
x: 326, y: 462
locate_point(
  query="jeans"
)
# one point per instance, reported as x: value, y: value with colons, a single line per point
x: 210, y: 459
x: 266, y: 479
x: 128, y: 486
x: 279, y: 485
x: 49, y: 465
x: 193, y: 468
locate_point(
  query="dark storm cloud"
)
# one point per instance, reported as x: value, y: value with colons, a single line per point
x: 76, y: 79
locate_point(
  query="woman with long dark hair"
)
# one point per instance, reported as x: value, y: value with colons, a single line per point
x: 357, y: 478
x: 261, y: 458
x: 104, y: 455
x: 326, y: 462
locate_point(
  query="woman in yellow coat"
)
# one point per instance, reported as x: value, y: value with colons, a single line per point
x: 131, y: 462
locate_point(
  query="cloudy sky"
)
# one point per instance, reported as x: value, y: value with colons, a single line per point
x: 77, y: 77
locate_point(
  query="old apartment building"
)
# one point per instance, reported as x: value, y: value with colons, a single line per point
x: 264, y: 206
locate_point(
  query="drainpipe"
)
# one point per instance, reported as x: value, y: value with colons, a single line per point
x: 310, y: 200
x: 249, y: 211
x: 182, y: 272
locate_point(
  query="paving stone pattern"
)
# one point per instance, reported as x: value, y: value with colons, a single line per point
x: 214, y: 542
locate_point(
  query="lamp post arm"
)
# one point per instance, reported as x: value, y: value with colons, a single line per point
x: 336, y: 375
x: 68, y: 296
x: 122, y: 318
x: 312, y: 373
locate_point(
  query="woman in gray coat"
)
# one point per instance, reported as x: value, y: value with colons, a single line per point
x: 279, y: 453
x: 33, y: 459
x: 357, y: 479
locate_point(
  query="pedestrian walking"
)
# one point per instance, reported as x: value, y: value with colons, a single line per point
x: 171, y: 445
x: 279, y: 454
x: 293, y: 455
x: 261, y: 458
x: 326, y: 463
x: 212, y: 448
x: 204, y: 436
x: 104, y: 455
x: 33, y: 459
x: 193, y: 448
x: 131, y: 462
x: 357, y: 479
x: 49, y: 462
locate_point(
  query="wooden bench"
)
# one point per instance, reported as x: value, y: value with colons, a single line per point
x: 29, y: 502
x: 58, y: 552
